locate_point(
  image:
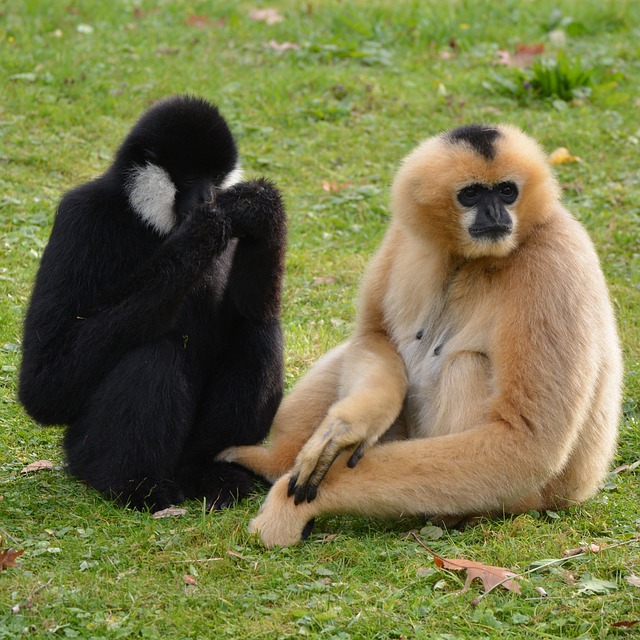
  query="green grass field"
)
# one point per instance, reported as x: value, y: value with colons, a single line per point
x: 359, y: 84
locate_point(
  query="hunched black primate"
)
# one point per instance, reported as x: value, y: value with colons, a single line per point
x: 153, y: 329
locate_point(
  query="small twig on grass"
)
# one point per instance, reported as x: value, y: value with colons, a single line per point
x: 6, y: 534
x: 28, y: 603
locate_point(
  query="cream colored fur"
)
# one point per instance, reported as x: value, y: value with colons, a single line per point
x: 510, y: 398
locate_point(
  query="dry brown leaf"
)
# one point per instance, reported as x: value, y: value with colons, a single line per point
x: 39, y: 465
x: 329, y: 537
x: 8, y: 558
x: 170, y: 512
x: 333, y: 185
x: 190, y: 580
x: 523, y: 56
x: 504, y: 57
x: 200, y: 22
x: 561, y: 155
x: 491, y: 576
x: 270, y: 16
x: 282, y: 46
x: 324, y: 280
x: 625, y: 623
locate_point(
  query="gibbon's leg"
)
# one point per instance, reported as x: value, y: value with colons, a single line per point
x: 373, y: 385
x: 297, y: 418
x: 237, y: 406
x: 486, y: 469
x: 589, y: 460
x: 129, y: 439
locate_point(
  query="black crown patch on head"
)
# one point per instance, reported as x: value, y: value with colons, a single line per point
x: 481, y: 137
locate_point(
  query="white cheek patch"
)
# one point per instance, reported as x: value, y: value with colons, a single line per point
x: 233, y: 177
x: 152, y: 195
x: 467, y: 218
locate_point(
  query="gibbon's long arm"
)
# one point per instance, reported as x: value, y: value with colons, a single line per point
x: 58, y: 379
x: 258, y: 219
x: 373, y: 384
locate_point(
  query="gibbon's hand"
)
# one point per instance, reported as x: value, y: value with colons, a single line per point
x: 208, y: 220
x: 255, y: 208
x: 316, y: 457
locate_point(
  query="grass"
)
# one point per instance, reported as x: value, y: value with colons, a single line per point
x: 368, y: 81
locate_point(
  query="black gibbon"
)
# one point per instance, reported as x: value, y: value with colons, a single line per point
x: 153, y: 329
x: 485, y: 351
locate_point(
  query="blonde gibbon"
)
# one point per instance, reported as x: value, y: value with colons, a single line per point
x: 485, y: 356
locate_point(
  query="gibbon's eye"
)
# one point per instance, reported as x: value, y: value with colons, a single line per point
x: 470, y: 195
x: 508, y: 192
x: 189, y: 180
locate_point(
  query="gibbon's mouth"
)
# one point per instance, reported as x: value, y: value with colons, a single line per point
x: 492, y: 234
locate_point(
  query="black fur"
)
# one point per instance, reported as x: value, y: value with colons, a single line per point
x: 481, y: 137
x: 160, y: 350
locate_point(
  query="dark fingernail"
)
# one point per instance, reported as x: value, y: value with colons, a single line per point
x: 292, y: 485
x: 355, y: 456
x: 300, y: 495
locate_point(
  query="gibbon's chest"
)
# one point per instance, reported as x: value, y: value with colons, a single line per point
x: 437, y: 317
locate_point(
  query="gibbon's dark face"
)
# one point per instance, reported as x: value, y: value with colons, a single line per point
x: 488, y: 218
x: 175, y: 156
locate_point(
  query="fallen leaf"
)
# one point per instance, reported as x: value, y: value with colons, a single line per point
x: 170, y: 512
x: 625, y: 623
x: 633, y: 580
x: 190, y: 580
x: 200, y: 22
x: 333, y: 185
x: 491, y: 576
x: 8, y: 558
x: 525, y: 54
x: 590, y: 586
x: 39, y: 465
x: 504, y: 57
x: 562, y: 156
x: 324, y: 280
x: 270, y: 16
x: 282, y: 46
x: 523, y: 57
x: 329, y: 537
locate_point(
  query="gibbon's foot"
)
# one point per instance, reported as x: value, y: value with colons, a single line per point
x: 266, y: 462
x: 147, y: 494
x: 308, y: 528
x: 224, y: 484
x: 280, y: 523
